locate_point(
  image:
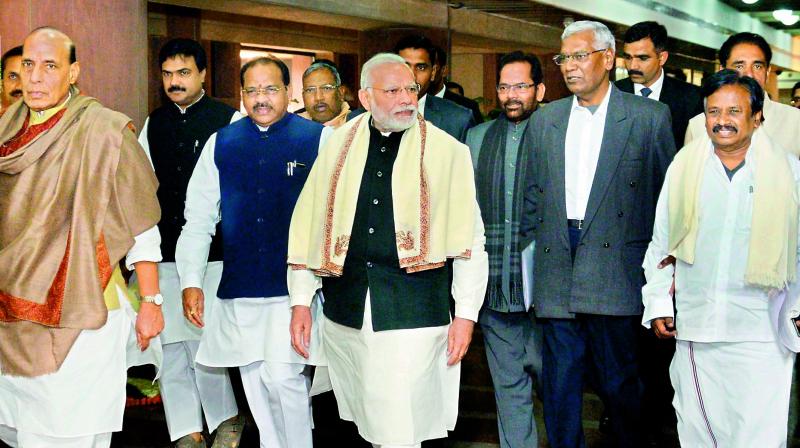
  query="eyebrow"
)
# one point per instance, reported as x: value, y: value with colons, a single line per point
x: 176, y: 70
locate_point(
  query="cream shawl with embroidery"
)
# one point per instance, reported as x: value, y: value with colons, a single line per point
x: 433, y: 193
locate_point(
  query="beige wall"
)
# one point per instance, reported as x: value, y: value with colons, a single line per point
x: 467, y: 70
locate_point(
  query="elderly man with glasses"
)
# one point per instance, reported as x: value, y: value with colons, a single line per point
x: 389, y: 204
x: 596, y: 164
x: 323, y: 94
x: 248, y: 178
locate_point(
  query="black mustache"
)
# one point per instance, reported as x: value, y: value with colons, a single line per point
x: 16, y: 92
x: 725, y: 127
x: 175, y: 89
x: 267, y: 105
x: 635, y: 72
x: 512, y: 102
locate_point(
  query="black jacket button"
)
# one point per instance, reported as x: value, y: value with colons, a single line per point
x: 620, y: 214
x: 547, y: 250
x: 606, y: 245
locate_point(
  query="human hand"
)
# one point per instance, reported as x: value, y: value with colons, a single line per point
x: 149, y: 323
x: 458, y: 338
x: 300, y: 329
x: 193, y: 306
x: 664, y: 327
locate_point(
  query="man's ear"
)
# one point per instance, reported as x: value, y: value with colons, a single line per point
x: 363, y: 98
x: 74, y: 71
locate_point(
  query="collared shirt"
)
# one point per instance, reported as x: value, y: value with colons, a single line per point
x: 656, y: 87
x: 713, y: 302
x: 440, y: 93
x: 183, y: 109
x: 421, y: 105
x: 581, y: 152
x: 781, y: 123
x: 203, y: 210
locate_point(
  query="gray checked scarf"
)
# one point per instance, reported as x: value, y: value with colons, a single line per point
x: 490, y: 182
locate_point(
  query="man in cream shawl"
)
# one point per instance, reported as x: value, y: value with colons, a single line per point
x: 389, y: 203
x: 728, y: 218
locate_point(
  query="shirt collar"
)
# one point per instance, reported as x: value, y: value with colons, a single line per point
x: 656, y: 87
x: 421, y: 104
x: 183, y: 110
x: 601, y: 109
x: 440, y: 93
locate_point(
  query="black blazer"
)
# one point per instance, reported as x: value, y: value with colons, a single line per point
x: 683, y: 99
x: 465, y: 102
x: 445, y: 115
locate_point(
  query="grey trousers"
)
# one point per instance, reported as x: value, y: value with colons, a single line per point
x: 513, y: 344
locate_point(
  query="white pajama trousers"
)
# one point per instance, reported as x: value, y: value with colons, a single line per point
x: 278, y: 396
x: 190, y: 391
x: 22, y: 439
x: 731, y: 394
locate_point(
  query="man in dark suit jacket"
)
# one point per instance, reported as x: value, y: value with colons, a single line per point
x: 645, y: 53
x: 598, y: 159
x: 419, y: 53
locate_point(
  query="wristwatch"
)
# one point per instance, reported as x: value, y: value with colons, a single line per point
x: 156, y: 299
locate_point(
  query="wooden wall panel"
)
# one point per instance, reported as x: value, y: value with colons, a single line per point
x: 110, y: 38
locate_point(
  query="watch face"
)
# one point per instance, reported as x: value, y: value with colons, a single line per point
x: 158, y: 299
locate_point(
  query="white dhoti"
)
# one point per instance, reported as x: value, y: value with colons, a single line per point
x: 395, y: 385
x: 82, y: 403
x: 190, y: 391
x: 731, y: 394
x: 253, y: 334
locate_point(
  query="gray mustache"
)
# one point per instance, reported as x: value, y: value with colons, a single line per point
x: 723, y: 127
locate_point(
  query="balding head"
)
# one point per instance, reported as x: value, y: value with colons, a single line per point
x: 49, y: 68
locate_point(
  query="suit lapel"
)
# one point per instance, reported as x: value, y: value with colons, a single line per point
x: 432, y: 112
x: 556, y: 158
x: 615, y: 137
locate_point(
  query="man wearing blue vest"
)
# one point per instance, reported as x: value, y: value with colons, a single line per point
x: 248, y: 178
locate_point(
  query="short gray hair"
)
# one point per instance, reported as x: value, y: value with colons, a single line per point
x: 602, y: 35
x: 326, y: 66
x: 375, y: 62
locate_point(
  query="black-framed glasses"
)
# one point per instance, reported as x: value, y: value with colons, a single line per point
x: 252, y: 92
x: 325, y: 88
x: 581, y: 56
x: 413, y: 89
x: 522, y: 87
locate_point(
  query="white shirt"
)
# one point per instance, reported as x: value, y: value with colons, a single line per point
x: 440, y: 93
x: 781, y: 122
x: 656, y: 87
x: 202, y: 214
x: 421, y: 105
x: 713, y: 302
x: 581, y: 152
x: 469, y: 278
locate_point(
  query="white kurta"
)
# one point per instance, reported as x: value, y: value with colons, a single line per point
x: 781, y: 121
x: 396, y: 385
x: 242, y: 330
x: 731, y: 376
x: 86, y: 395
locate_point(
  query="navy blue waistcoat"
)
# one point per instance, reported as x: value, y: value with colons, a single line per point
x: 261, y: 175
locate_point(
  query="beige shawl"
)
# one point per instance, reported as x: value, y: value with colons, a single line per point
x: 772, y: 259
x: 71, y: 202
x: 433, y: 193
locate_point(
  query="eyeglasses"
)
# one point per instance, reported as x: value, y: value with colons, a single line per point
x: 413, y: 89
x: 253, y: 92
x: 561, y: 59
x: 503, y: 89
x: 326, y: 89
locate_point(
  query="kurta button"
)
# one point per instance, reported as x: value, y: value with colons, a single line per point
x: 369, y: 264
x: 179, y: 169
x: 376, y: 201
x: 183, y: 121
x: 261, y: 250
x: 632, y: 184
x: 379, y: 173
x: 264, y: 136
x: 620, y: 214
x: 371, y: 230
x: 260, y: 220
x: 606, y: 245
x: 180, y: 145
x: 262, y: 161
x: 547, y: 250
x: 541, y: 220
x: 383, y: 149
